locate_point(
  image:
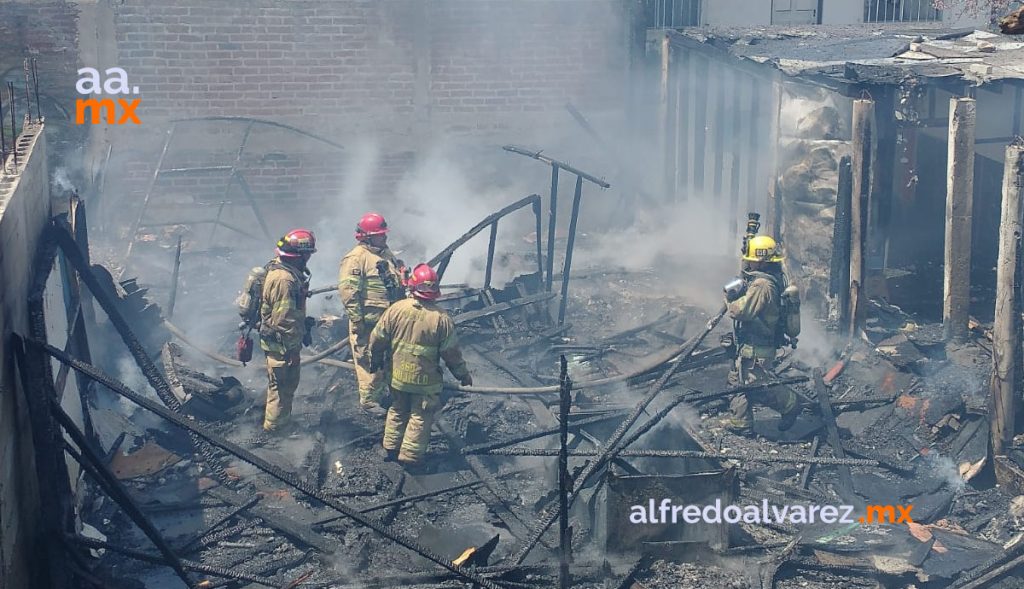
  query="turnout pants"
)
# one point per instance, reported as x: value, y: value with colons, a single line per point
x: 749, y: 370
x: 407, y: 428
x: 283, y: 380
x: 371, y: 386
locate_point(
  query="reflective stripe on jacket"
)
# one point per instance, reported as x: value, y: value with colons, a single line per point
x: 360, y: 285
x: 418, y: 334
x: 283, y: 309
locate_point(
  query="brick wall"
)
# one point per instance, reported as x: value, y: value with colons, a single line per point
x: 406, y: 72
x: 345, y: 59
x: 47, y: 31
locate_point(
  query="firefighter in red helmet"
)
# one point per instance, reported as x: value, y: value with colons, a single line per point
x: 369, y: 281
x: 284, y: 327
x: 416, y: 334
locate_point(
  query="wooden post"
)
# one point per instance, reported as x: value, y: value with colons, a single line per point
x: 956, y: 286
x: 1006, y: 331
x: 552, y: 221
x: 174, y: 280
x: 667, y: 122
x: 839, y: 271
x: 863, y: 116
x: 882, y: 171
x: 565, y: 483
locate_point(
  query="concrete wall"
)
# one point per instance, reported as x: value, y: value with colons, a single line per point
x: 24, y: 210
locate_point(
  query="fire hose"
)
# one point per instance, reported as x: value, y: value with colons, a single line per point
x: 318, y: 357
x: 321, y: 357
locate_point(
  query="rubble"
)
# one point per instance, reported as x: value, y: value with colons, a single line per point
x: 891, y: 418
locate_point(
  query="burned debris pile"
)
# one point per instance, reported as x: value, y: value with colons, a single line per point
x: 536, y: 472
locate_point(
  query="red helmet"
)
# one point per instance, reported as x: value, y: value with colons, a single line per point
x: 296, y: 243
x: 424, y: 283
x: 371, y: 224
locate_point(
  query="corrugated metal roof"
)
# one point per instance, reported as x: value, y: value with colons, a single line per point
x: 873, y: 53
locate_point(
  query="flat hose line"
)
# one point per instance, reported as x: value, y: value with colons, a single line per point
x: 657, y: 361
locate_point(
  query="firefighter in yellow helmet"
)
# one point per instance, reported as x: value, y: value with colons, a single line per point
x: 762, y: 305
x: 369, y: 281
x: 284, y: 327
x: 417, y: 334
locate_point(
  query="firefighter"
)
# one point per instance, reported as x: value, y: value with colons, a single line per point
x: 284, y: 327
x: 416, y: 334
x: 761, y: 326
x: 363, y: 283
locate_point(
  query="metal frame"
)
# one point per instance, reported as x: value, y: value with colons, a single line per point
x: 234, y: 171
x: 557, y: 165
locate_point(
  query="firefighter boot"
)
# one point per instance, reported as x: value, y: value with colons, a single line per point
x: 741, y: 416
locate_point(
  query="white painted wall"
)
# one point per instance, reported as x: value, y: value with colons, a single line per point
x: 736, y: 12
x: 842, y: 12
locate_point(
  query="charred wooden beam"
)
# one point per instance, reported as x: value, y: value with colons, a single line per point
x: 573, y: 220
x: 502, y: 307
x: 155, y: 378
x: 490, y: 490
x: 403, y: 500
x: 832, y: 431
x: 93, y: 463
x: 959, y: 214
x: 540, y: 434
x: 805, y: 474
x: 839, y: 271
x: 301, y: 534
x: 195, y: 539
x: 274, y: 471
x: 564, y: 480
x: 766, y: 459
x: 613, y: 443
x: 190, y: 565
x: 55, y: 517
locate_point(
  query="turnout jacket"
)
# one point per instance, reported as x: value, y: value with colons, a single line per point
x: 360, y: 284
x: 757, y: 314
x: 418, y: 335
x: 283, y: 308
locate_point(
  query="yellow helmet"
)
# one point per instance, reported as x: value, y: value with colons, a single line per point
x: 762, y: 248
